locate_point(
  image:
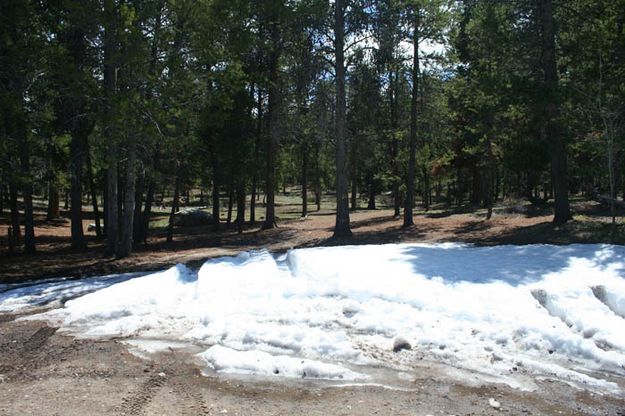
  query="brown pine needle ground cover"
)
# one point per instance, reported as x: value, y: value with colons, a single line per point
x: 511, y: 224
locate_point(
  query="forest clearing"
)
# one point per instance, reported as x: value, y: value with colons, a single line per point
x: 87, y: 356
x: 334, y: 207
x: 515, y: 222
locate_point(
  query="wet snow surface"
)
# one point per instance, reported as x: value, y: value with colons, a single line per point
x: 511, y: 314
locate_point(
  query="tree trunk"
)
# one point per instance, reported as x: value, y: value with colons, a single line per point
x: 230, y: 201
x: 94, y: 194
x: 29, y: 223
x: 426, y: 189
x: 341, y: 228
x: 410, y: 185
x: 27, y: 191
x: 551, y: 130
x: 174, y: 208
x: 253, y: 201
x: 240, y: 220
x: 110, y: 90
x: 462, y: 187
x: 53, y: 211
x: 317, y: 178
x: 216, y: 207
x: 125, y: 246
x: 371, y: 203
x: 147, y: 211
x: 272, y: 115
x: 138, y: 221
x: 105, y: 209
x: 112, y: 224
x: 121, y: 197
x: 16, y: 234
x: 489, y: 181
x: 76, y: 166
x: 394, y: 145
x: 476, y: 189
x: 354, y: 175
x: 304, y: 181
x: 257, y: 143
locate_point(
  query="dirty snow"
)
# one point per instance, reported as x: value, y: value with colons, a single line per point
x: 511, y: 314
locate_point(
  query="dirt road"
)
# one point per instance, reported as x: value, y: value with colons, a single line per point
x: 45, y: 373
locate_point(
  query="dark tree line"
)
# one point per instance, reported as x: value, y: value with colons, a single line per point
x: 113, y: 104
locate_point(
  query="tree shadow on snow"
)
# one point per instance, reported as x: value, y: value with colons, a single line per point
x: 514, y: 265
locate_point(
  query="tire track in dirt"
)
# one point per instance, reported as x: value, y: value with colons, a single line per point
x: 193, y: 400
x: 178, y: 374
x: 135, y: 403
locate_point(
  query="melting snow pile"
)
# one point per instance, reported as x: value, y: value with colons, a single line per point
x: 53, y: 292
x: 509, y: 313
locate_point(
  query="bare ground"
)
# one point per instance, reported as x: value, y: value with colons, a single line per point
x: 45, y: 373
x: 195, y: 244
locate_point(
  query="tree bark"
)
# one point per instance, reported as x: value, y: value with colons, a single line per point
x: 394, y: 144
x: 94, y: 193
x: 304, y: 180
x: 27, y: 190
x: 410, y: 185
x: 147, y: 211
x: 272, y: 115
x: 371, y: 203
x: 54, y: 200
x: 216, y: 206
x: 341, y: 229
x: 551, y: 129
x: 426, y: 189
x: 121, y: 197
x: 354, y: 175
x: 16, y: 233
x: 230, y: 201
x: 76, y: 167
x: 110, y: 90
x: 257, y: 143
x: 29, y: 223
x: 240, y: 220
x: 53, y: 209
x: 317, y: 177
x: 105, y: 202
x: 476, y: 186
x: 137, y: 225
x: 125, y: 246
x: 489, y: 191
x: 174, y: 209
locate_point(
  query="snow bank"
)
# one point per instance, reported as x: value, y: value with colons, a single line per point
x: 505, y: 312
x: 16, y: 297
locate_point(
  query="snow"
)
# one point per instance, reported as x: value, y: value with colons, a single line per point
x: 261, y: 363
x: 53, y: 292
x: 507, y: 313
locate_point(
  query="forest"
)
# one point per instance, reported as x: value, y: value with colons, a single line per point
x: 117, y: 107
